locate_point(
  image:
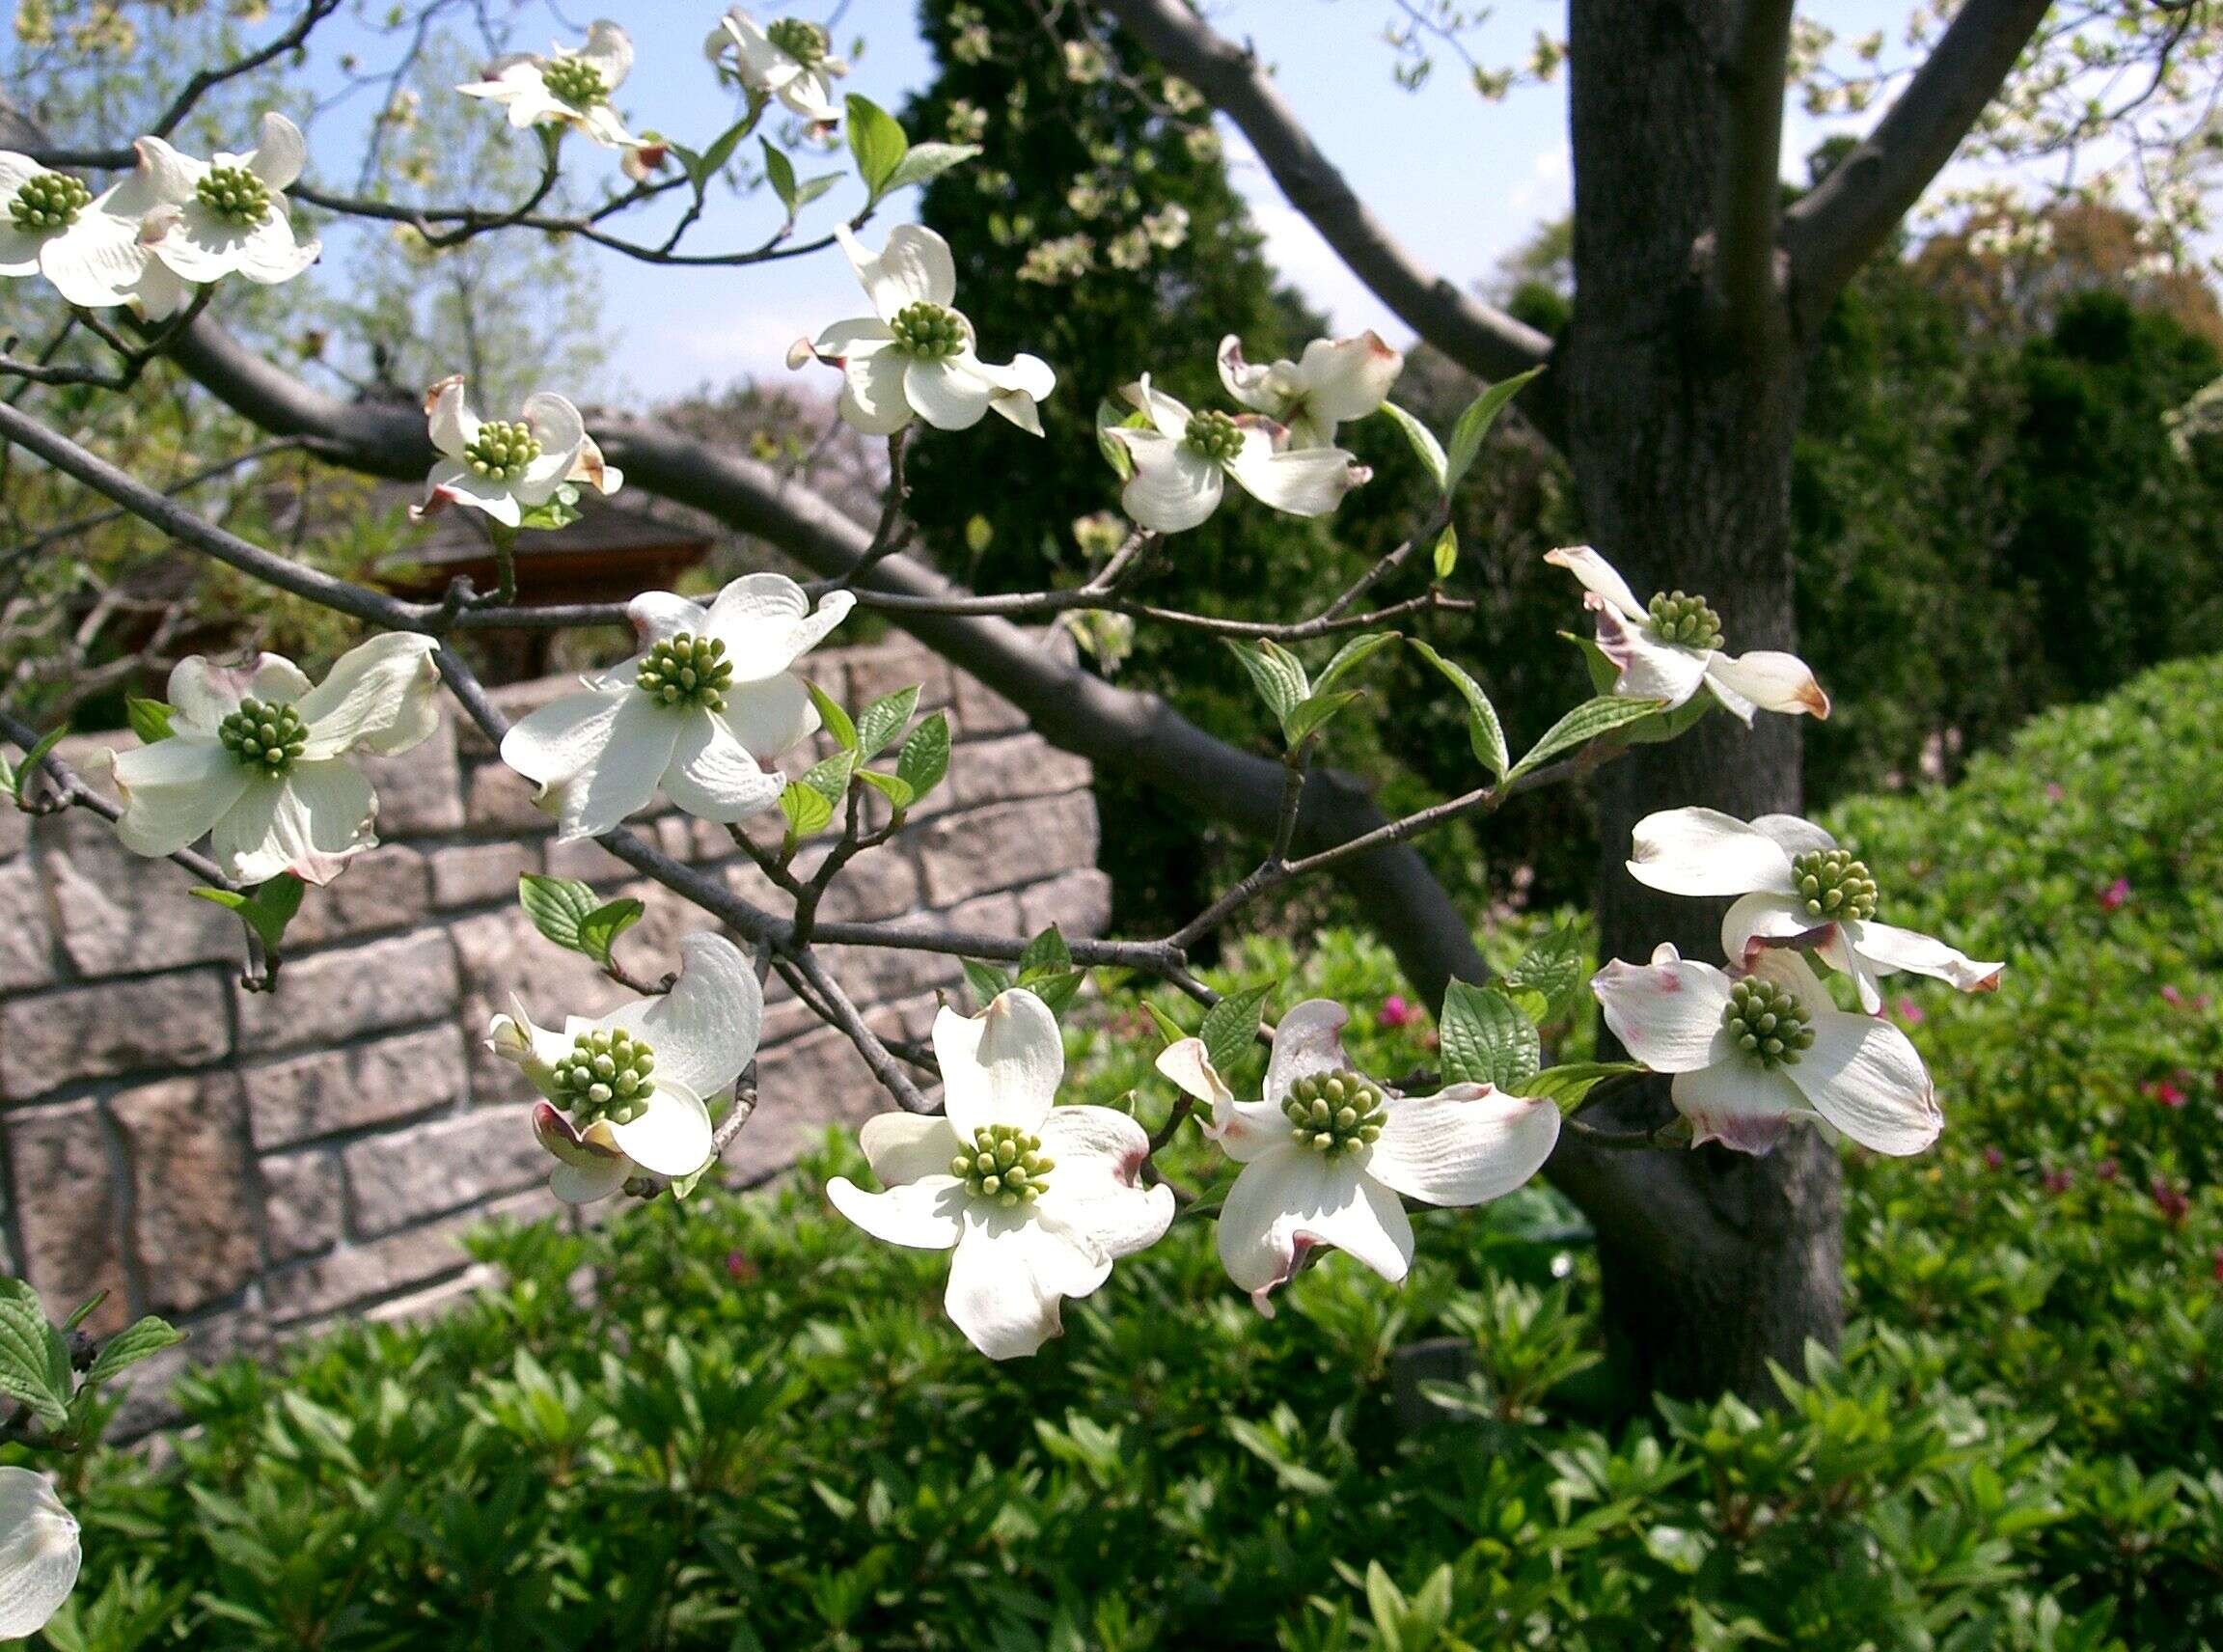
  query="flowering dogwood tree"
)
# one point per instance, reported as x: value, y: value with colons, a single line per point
x: 1673, y: 394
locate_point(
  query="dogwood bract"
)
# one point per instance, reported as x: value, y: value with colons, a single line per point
x: 1334, y: 380
x: 208, y: 219
x: 1793, y: 885
x: 39, y: 1553
x: 1182, y: 458
x: 791, y: 59
x: 1669, y: 647
x: 1326, y: 1154
x: 58, y: 228
x: 706, y: 703
x: 257, y: 759
x: 1752, y: 1052
x: 1037, y: 1202
x: 630, y: 1091
x: 914, y: 354
x: 506, y: 467
x: 569, y: 88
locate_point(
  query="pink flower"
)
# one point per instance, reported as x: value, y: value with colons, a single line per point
x: 2112, y: 897
x: 2056, y: 1181
x: 2170, y: 996
x: 1910, y: 1012
x: 1993, y: 1159
x: 1395, y: 1012
x: 2169, y: 1095
x: 2171, y: 1202
x: 2107, y: 1169
x: 740, y: 1267
x: 2053, y: 792
x: 2219, y: 1264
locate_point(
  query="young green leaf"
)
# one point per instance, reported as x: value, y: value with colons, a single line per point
x: 34, y: 1356
x: 1484, y: 732
x: 1057, y: 990
x: 1045, y: 954
x: 834, y: 717
x: 1350, y: 656
x: 1485, y: 1039
x: 925, y: 756
x: 1569, y: 1084
x: 921, y: 163
x: 1645, y: 730
x: 985, y: 979
x: 84, y: 1311
x: 150, y: 718
x: 813, y: 188
x: 1586, y: 723
x: 779, y: 173
x: 1446, y: 553
x: 712, y: 161
x: 882, y: 720
x: 1311, y: 717
x: 1111, y: 416
x: 130, y: 1346
x: 599, y: 929
x: 1168, y: 1029
x: 894, y: 787
x: 556, y: 905
x: 1277, y: 673
x: 266, y: 908
x: 32, y: 758
x: 830, y: 779
x: 805, y: 809
x: 1474, y: 423
x: 1425, y: 444
x: 876, y: 139
x: 1555, y: 968
x: 1231, y: 1026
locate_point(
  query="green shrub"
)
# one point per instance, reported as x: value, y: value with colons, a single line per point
x: 755, y: 1430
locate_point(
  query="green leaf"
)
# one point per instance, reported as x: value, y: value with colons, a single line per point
x: 266, y: 908
x: 713, y: 160
x: 779, y: 173
x: 829, y: 778
x: 1057, y: 991
x: 1446, y: 552
x: 556, y: 905
x: 1045, y: 954
x: 599, y: 929
x: 1113, y: 415
x: 1350, y: 656
x: 1484, y: 732
x: 33, y: 759
x: 832, y: 714
x: 1425, y: 444
x: 150, y: 718
x: 34, y: 1358
x: 559, y: 510
x: 925, y: 756
x: 1486, y: 1038
x: 876, y: 139
x: 985, y: 979
x: 1568, y: 1083
x: 923, y: 162
x: 1231, y: 1026
x: 1586, y: 723
x: 85, y: 1310
x: 130, y: 1346
x: 894, y: 787
x: 1555, y: 968
x: 1474, y: 423
x: 1308, y: 718
x: 882, y: 720
x: 806, y: 808
x: 1646, y: 731
x: 1168, y: 1029
x: 1277, y: 673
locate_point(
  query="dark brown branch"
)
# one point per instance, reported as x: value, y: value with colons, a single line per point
x: 71, y: 791
x: 1751, y: 187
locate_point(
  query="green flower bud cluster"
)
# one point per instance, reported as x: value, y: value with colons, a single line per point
x: 687, y: 671
x: 49, y: 201
x: 1768, y: 1021
x: 929, y: 331
x: 1833, y: 884
x: 1684, y: 620
x: 606, y: 1076
x: 234, y: 195
x: 1213, y: 434
x: 1005, y: 1164
x: 805, y: 42
x: 574, y: 81
x: 264, y: 737
x: 502, y: 450
x: 1336, y: 1113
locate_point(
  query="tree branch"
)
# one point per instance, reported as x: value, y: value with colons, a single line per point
x: 1750, y: 187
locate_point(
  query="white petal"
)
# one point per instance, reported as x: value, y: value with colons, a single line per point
x: 659, y: 615
x: 38, y: 1552
x: 1304, y: 482
x: 566, y: 736
x: 866, y: 335
x: 672, y: 1136
x: 1307, y: 1040
x: 925, y: 1215
x: 175, y: 791
x: 159, y: 294
x: 872, y: 399
x: 1703, y: 851
x: 906, y: 1146
x: 453, y: 423
x: 1833, y: 945
x: 765, y: 622
x: 281, y: 155
x: 608, y: 49
x: 97, y: 262
x: 1185, y: 1064
x: 1001, y: 1066
x: 163, y: 174
x: 1794, y: 836
x: 453, y: 482
x: 1095, y: 1187
x: 1599, y: 577
x: 1007, y: 1276
x: 19, y: 248
x: 339, y: 806
x: 1863, y: 1076
x: 713, y: 777
x: 914, y: 268
x: 203, y: 694
x: 703, y: 1031
x: 15, y: 171
x: 555, y: 422
x: 1650, y: 668
x: 1291, y: 1199
x: 1167, y: 416
x: 1771, y: 680
x: 1467, y: 1145
x: 771, y: 717
x: 1739, y: 1103
x: 1890, y: 948
x: 1666, y: 1013
x: 267, y: 831
x: 1347, y: 378
x: 378, y: 695
x: 1246, y: 383
x: 809, y: 94
x: 947, y: 393
x: 1250, y: 1130
x: 1173, y: 488
x: 1767, y: 918
x: 589, y: 1184
x: 642, y: 736
x: 1019, y: 388
x: 201, y: 246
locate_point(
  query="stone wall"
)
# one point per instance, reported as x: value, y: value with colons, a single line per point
x: 254, y: 1165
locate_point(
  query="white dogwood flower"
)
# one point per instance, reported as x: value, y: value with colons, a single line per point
x: 914, y: 354
x: 1335, y: 379
x: 1795, y: 886
x: 1752, y: 1052
x: 1329, y: 1150
x: 506, y: 467
x: 1182, y: 458
x: 1037, y: 1202
x: 257, y: 759
x: 706, y: 703
x: 791, y: 59
x: 1669, y: 648
x: 56, y: 226
x: 569, y: 88
x: 39, y: 1553
x: 208, y: 219
x: 630, y: 1093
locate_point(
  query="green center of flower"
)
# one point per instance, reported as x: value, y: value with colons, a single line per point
x: 1004, y: 1164
x: 502, y: 450
x: 929, y: 330
x: 605, y: 1077
x: 687, y: 671
x: 1336, y: 1113
x: 574, y: 81
x: 264, y: 737
x: 234, y: 195
x: 1213, y: 434
x: 47, y: 201
x: 1684, y: 620
x: 1768, y: 1021
x: 1834, y: 885
x: 805, y: 42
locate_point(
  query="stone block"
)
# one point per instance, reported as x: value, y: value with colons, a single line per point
x: 331, y: 1091
x: 384, y: 1267
x: 981, y: 710
x: 69, y: 1208
x: 874, y: 975
x: 420, y: 791
x: 1079, y: 902
x: 804, y: 1086
x: 586, y: 860
x: 340, y: 995
x: 500, y: 800
x: 192, y: 1206
x: 879, y: 882
x: 473, y: 874
x: 118, y: 1026
x: 1013, y: 766
x: 386, y: 887
x: 407, y: 1175
x: 26, y: 942
x: 210, y: 1340
x: 897, y: 664
x: 14, y: 833
x: 1007, y: 845
x: 304, y: 1204
x: 122, y: 913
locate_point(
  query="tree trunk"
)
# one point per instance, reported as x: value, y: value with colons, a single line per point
x: 1681, y: 441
